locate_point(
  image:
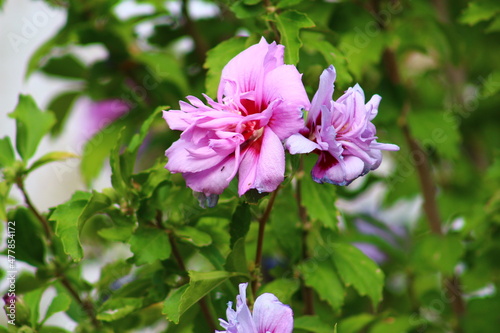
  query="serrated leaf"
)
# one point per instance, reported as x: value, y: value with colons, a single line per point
x: 284, y: 289
x: 66, y: 217
x: 315, y: 274
x: 312, y: 324
x: 200, y: 285
x: 149, y: 245
x: 60, y: 303
x: 49, y: 158
x: 356, y: 269
x: 217, y: 58
x: 31, y: 125
x: 479, y: 11
x: 7, y: 155
x: 97, y: 203
x: 193, y: 236
x: 240, y: 222
x: 289, y: 24
x: 114, y: 309
x: 319, y: 200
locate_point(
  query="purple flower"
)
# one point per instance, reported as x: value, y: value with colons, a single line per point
x: 269, y: 315
x: 102, y: 113
x: 259, y: 105
x: 341, y: 133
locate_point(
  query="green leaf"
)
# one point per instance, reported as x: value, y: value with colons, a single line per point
x: 244, y: 11
x: 50, y: 157
x: 114, y: 309
x: 28, y: 236
x: 315, y: 273
x: 60, y: 303
x: 312, y: 324
x: 440, y: 253
x: 61, y: 106
x: 479, y: 11
x: 355, y: 324
x: 120, y: 233
x: 319, y: 200
x: 32, y: 300
x: 436, y: 129
x: 356, y: 269
x: 193, y: 236
x: 217, y: 58
x: 149, y: 245
x: 185, y: 297
x: 491, y: 85
x: 97, y: 203
x: 236, y: 260
x: 44, y: 51
x: 52, y: 329
x: 31, y: 125
x: 67, y: 66
x: 66, y: 217
x: 284, y: 289
x: 165, y: 66
x: 7, y: 155
x: 240, y: 222
x: 289, y: 24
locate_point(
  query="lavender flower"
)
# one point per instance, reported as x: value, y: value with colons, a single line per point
x: 269, y: 315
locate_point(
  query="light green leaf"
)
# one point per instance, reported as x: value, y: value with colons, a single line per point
x: 165, y: 66
x: 61, y: 106
x: 199, y: 286
x: 149, y: 245
x: 237, y: 260
x: 312, y: 324
x: 355, y: 324
x: 193, y: 236
x: 491, y: 85
x: 356, y: 269
x: 60, y: 303
x: 66, y: 217
x: 31, y: 125
x: 50, y: 157
x: 119, y: 233
x: 315, y: 274
x: 32, y: 300
x: 240, y: 222
x: 114, y: 309
x: 97, y: 202
x: 284, y: 289
x: 7, y: 155
x: 52, y: 329
x: 217, y: 58
x: 478, y: 11
x: 289, y: 24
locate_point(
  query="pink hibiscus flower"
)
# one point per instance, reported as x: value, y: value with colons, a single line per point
x: 341, y: 133
x: 259, y: 105
x: 269, y: 315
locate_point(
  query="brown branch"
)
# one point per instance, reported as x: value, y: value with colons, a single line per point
x: 86, y: 305
x: 29, y: 203
x: 270, y: 9
x: 260, y: 241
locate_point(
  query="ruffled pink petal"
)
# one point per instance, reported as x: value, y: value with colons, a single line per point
x: 263, y: 165
x: 212, y: 180
x: 177, y: 120
x: 270, y: 315
x: 298, y: 144
x: 323, y: 96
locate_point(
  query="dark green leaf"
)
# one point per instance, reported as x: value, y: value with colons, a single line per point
x: 312, y: 324
x: 356, y: 269
x: 289, y: 24
x: 97, y: 203
x: 319, y: 200
x: 149, y: 245
x: 240, y: 222
x: 31, y: 125
x: 114, y: 309
x: 237, y: 260
x: 61, y: 106
x: 67, y: 66
x: 185, y: 297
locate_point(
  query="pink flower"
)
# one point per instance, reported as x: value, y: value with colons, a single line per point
x: 341, y: 133
x: 259, y: 104
x: 102, y: 113
x: 269, y: 315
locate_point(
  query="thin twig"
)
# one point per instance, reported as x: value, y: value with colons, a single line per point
x: 29, y: 203
x: 270, y: 8
x: 260, y: 241
x: 85, y: 305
